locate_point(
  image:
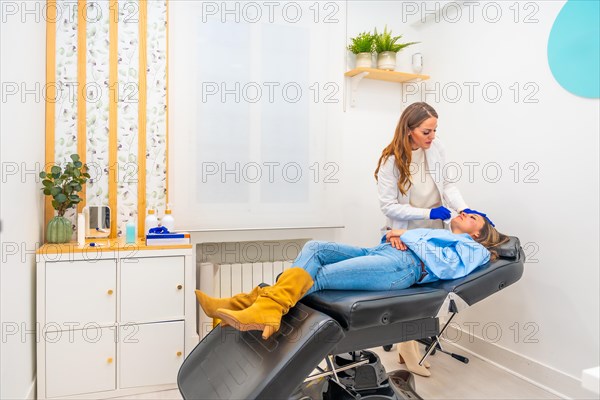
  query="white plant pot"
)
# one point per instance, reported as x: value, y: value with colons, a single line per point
x: 364, y: 60
x: 386, y: 60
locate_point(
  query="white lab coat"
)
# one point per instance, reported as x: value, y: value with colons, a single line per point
x: 397, y: 208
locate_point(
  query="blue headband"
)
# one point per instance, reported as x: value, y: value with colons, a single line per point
x: 469, y: 211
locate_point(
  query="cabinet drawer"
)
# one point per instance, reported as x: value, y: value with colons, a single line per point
x: 80, y: 293
x: 80, y: 361
x: 150, y: 354
x: 152, y: 289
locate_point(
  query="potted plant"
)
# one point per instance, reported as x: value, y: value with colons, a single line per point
x: 362, y: 46
x: 387, y: 48
x: 63, y: 185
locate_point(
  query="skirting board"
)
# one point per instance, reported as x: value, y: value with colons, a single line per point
x: 534, y: 372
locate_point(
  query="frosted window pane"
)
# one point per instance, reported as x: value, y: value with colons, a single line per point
x: 223, y: 134
x: 285, y: 129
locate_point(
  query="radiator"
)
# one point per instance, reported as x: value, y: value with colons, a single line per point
x: 232, y: 279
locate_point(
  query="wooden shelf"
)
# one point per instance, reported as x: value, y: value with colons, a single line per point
x: 358, y: 74
x: 383, y: 75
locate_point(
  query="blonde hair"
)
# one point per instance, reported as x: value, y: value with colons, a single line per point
x: 490, y: 238
x: 400, y: 147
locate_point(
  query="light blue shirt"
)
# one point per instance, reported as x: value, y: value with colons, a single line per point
x: 446, y: 255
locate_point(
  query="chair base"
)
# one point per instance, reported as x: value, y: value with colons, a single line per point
x: 365, y: 379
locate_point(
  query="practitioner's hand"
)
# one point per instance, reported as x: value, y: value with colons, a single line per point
x: 397, y: 243
x: 439, y: 213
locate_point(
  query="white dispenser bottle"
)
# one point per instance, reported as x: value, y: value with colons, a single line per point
x: 168, y: 221
x: 80, y: 229
x: 151, y: 221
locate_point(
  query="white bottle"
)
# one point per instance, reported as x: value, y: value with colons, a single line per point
x: 151, y: 221
x: 168, y: 221
x: 80, y: 229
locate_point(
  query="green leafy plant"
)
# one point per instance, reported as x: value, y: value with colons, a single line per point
x: 64, y: 184
x: 386, y: 42
x: 362, y: 43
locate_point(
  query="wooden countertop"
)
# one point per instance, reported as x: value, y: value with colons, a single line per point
x: 105, y: 245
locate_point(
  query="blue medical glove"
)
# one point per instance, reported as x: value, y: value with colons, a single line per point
x: 469, y: 211
x: 439, y: 213
x: 159, y: 229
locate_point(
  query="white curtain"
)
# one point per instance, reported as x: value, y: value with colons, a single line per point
x: 255, y: 105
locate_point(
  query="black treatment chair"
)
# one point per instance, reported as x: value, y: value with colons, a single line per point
x: 335, y: 325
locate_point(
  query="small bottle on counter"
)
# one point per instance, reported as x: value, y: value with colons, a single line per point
x: 151, y: 221
x: 168, y: 221
x: 130, y: 231
x: 80, y: 229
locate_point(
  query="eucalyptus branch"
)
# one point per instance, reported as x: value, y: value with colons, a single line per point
x: 64, y: 184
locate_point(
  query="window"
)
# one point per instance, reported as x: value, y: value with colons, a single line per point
x: 255, y: 113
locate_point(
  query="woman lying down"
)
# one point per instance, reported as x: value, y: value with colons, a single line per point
x: 406, y: 258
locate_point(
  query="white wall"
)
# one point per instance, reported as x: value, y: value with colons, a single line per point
x: 22, y: 140
x: 556, y: 218
x: 558, y: 215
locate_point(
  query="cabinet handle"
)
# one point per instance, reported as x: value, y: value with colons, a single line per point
x: 110, y: 291
x: 179, y: 287
x: 179, y: 354
x: 109, y: 360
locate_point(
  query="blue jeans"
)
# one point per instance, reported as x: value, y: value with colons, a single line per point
x: 343, y: 267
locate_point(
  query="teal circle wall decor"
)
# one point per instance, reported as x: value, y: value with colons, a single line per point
x: 574, y: 48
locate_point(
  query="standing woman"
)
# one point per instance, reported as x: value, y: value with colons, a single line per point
x: 412, y: 191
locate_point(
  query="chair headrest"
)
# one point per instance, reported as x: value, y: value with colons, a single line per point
x: 509, y: 250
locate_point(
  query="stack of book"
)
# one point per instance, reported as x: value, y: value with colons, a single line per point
x: 160, y: 239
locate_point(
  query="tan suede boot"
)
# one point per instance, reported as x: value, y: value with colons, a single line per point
x: 408, y: 355
x: 272, y: 304
x: 238, y: 302
x: 419, y: 355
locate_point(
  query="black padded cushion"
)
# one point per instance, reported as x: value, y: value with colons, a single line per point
x: 509, y: 250
x: 364, y: 309
x: 228, y: 364
x: 358, y: 309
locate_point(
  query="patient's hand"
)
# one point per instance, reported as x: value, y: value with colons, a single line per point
x: 397, y: 243
x: 393, y: 236
x: 394, y: 233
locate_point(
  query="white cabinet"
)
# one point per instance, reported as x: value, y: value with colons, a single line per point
x: 115, y: 324
x: 159, y: 345
x: 81, y: 292
x: 80, y: 361
x: 152, y: 289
